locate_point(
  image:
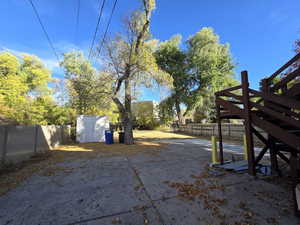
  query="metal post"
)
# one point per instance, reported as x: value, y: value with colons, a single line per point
x: 220, y: 135
x: 214, y: 150
x: 4, y: 147
x: 248, y: 122
x: 245, y: 147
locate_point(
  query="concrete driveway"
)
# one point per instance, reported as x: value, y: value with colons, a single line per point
x: 171, y: 187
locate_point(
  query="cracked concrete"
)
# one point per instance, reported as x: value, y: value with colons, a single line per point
x: 132, y: 189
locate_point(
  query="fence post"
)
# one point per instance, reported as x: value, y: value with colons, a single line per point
x: 35, y: 138
x: 4, y: 147
x: 219, y: 120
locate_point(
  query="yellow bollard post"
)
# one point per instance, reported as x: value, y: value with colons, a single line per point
x: 245, y: 148
x: 214, y: 150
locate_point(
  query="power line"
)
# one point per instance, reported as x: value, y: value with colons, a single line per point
x: 77, y: 21
x: 97, y: 27
x: 44, y: 29
x: 107, y: 27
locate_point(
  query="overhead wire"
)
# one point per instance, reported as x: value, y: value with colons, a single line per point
x: 107, y: 27
x: 77, y: 21
x: 44, y: 29
x: 96, y: 30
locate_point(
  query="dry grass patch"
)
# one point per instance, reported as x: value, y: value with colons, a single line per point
x: 155, y: 134
x: 92, y: 149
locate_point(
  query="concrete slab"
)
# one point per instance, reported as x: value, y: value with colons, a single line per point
x: 83, y: 193
x: 237, y: 204
x: 155, y: 175
x: 134, y: 189
x: 140, y: 217
x: 206, y: 145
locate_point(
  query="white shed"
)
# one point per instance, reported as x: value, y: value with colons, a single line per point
x: 91, y: 128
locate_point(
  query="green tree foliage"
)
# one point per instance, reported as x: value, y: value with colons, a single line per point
x: 174, y: 61
x: 204, y: 67
x: 36, y: 74
x: 166, y: 110
x: 144, y: 114
x: 211, y: 68
x: 24, y: 92
x: 51, y: 113
x: 88, y: 89
x: 21, y: 80
x: 13, y: 86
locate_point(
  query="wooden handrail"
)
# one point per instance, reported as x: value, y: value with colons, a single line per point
x: 285, y: 110
x: 228, y: 90
x: 280, y: 116
x: 229, y: 106
x: 281, y: 69
x: 290, y: 139
x: 285, y: 80
x: 228, y: 94
x: 281, y: 100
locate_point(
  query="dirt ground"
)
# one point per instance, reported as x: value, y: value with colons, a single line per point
x: 163, y: 179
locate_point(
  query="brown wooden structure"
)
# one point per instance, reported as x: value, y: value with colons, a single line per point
x: 275, y: 108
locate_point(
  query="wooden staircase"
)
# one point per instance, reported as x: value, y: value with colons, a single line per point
x: 275, y: 109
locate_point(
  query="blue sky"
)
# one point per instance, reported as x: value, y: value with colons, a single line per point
x: 261, y: 33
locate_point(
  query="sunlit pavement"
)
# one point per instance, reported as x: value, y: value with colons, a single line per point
x: 135, y: 189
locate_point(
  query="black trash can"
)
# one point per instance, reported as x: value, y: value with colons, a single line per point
x: 121, y: 137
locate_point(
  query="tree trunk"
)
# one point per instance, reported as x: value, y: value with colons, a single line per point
x: 178, y: 111
x: 128, y: 125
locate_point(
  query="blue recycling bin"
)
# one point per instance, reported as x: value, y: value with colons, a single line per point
x: 109, y: 137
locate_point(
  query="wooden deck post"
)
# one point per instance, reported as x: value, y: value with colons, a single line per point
x: 220, y: 135
x: 248, y: 123
x: 271, y: 141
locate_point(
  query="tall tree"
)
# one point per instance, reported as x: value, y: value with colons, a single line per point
x: 130, y: 62
x: 210, y: 63
x: 204, y: 67
x: 173, y: 60
x: 87, y: 87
